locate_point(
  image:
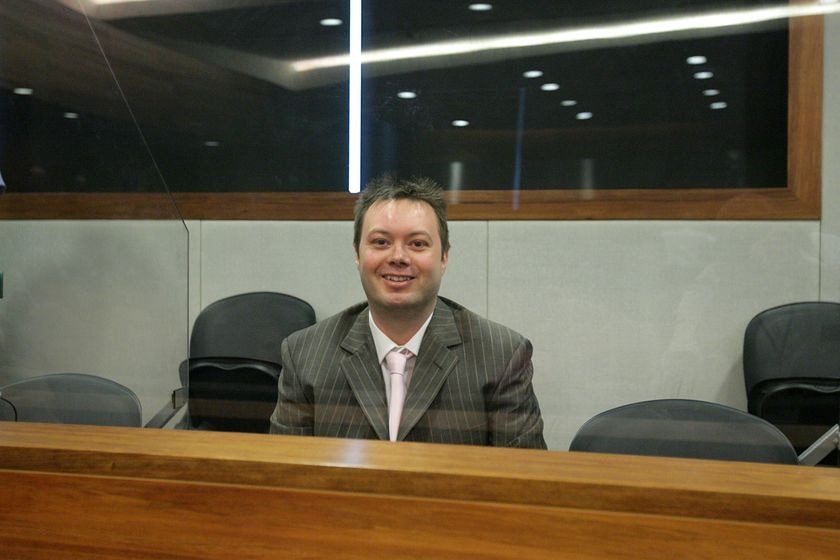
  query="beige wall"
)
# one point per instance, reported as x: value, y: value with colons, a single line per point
x: 617, y: 311
x: 101, y: 297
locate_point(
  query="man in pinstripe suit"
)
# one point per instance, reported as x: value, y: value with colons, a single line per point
x: 468, y: 380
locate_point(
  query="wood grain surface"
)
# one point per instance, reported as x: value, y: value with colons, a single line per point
x: 93, y: 492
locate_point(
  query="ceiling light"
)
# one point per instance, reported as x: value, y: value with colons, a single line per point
x: 460, y: 123
x: 551, y: 86
x: 584, y: 116
x: 23, y: 91
x: 705, y: 75
x: 711, y: 92
x: 568, y: 103
x: 211, y: 143
x: 69, y: 115
x: 406, y: 95
x: 640, y: 28
x: 697, y: 59
x: 718, y: 105
x: 533, y: 73
x: 331, y: 22
x: 480, y: 7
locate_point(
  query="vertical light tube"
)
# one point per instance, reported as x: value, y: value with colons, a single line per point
x: 354, y: 140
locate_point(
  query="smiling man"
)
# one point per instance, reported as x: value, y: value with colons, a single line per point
x: 407, y: 364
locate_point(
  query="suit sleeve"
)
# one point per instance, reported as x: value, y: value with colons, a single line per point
x: 294, y: 412
x: 515, y: 418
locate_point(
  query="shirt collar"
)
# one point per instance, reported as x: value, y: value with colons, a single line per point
x: 384, y: 344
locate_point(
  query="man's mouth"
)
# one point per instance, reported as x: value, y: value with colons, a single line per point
x: 397, y: 277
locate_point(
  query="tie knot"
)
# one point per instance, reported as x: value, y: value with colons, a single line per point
x: 395, y: 361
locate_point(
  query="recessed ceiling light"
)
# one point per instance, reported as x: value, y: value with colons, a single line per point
x: 551, y: 86
x: 331, y: 22
x: 718, y: 105
x: 23, y: 91
x: 705, y: 75
x: 69, y: 115
x: 696, y: 59
x: 532, y: 73
x: 568, y: 103
x: 584, y: 116
x: 211, y: 143
x: 406, y: 94
x: 460, y: 123
x: 711, y: 92
x: 480, y: 7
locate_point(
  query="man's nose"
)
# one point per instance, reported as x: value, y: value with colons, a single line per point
x: 399, y: 254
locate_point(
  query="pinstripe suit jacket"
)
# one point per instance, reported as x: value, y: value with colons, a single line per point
x: 471, y: 383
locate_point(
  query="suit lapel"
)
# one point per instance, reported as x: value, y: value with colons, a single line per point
x: 435, y: 361
x: 364, y: 374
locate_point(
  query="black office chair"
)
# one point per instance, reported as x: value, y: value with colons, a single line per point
x: 792, y: 370
x: 72, y: 398
x: 231, y: 375
x: 684, y: 428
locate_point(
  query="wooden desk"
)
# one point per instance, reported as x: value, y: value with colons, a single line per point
x: 90, y: 492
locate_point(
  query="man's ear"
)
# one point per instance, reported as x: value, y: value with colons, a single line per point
x: 356, y: 254
x: 444, y: 260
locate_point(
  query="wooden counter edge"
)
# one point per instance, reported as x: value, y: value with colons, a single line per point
x: 759, y: 493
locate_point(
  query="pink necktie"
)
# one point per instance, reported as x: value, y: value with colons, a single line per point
x: 395, y: 362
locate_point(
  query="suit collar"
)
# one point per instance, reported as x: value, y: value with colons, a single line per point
x: 435, y: 362
x: 363, y: 373
x: 443, y: 325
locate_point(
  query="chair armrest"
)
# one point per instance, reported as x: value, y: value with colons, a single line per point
x: 818, y: 450
x: 165, y: 414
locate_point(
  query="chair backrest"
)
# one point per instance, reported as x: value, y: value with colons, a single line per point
x: 792, y: 370
x: 7, y: 411
x: 231, y: 394
x: 793, y: 341
x: 73, y: 398
x: 235, y: 359
x: 684, y: 428
x: 250, y: 325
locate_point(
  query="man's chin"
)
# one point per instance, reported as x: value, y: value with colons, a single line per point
x: 401, y: 302
x: 407, y: 303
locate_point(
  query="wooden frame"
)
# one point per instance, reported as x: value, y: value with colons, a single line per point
x: 798, y: 200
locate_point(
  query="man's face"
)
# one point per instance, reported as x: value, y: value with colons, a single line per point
x: 400, y: 256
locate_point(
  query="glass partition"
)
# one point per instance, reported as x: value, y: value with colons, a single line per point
x: 559, y: 95
x: 98, y: 297
x: 630, y: 182
x: 539, y: 110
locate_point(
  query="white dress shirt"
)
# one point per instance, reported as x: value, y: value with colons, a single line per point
x: 384, y: 345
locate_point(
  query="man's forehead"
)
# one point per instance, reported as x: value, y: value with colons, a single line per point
x: 404, y: 202
x: 400, y: 205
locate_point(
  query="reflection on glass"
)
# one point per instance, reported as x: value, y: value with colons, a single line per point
x: 103, y: 303
x: 627, y: 112
x: 208, y: 87
x: 252, y: 95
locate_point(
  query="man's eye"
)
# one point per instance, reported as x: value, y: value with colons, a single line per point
x: 420, y: 244
x: 379, y: 242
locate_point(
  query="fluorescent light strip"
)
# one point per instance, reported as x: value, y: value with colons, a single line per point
x: 354, y: 163
x: 636, y: 29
